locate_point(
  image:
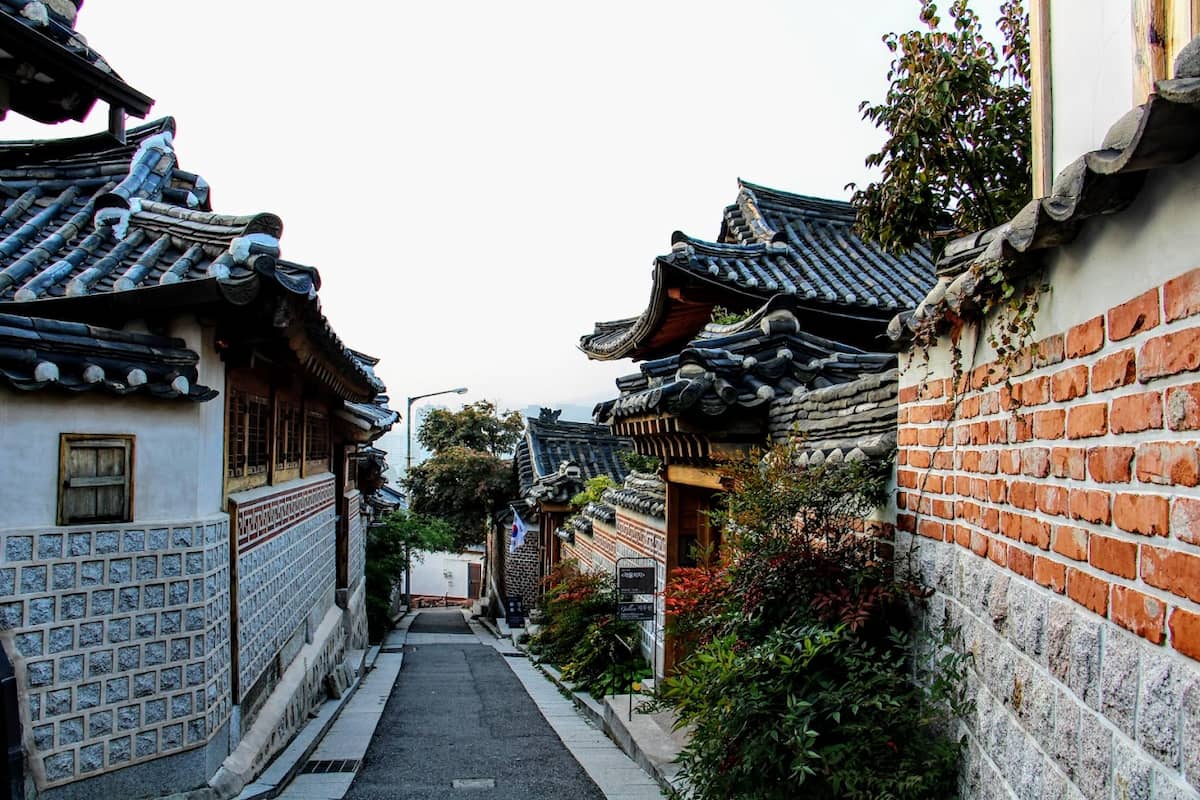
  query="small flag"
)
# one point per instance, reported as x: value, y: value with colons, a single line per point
x: 518, y: 532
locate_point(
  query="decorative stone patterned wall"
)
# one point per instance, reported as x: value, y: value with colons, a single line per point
x: 286, y: 568
x: 357, y: 544
x: 521, y: 570
x: 1058, y: 515
x: 121, y: 640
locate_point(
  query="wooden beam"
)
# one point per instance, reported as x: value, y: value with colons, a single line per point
x: 694, y: 476
x: 1042, y: 99
x: 1149, y: 47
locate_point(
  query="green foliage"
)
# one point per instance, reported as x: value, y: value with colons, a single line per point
x: 728, y: 316
x: 463, y: 487
x: 581, y: 635
x: 801, y: 678
x: 593, y: 490
x: 477, y: 426
x: 399, y: 533
x: 813, y: 711
x: 957, y: 118
x: 636, y: 462
x: 465, y: 480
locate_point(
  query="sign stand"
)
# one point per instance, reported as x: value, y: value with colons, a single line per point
x: 637, y: 577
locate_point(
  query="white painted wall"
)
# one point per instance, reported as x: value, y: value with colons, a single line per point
x: 1113, y: 260
x: 178, y: 452
x: 1091, y: 58
x: 442, y: 573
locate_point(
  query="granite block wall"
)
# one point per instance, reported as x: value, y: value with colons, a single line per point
x: 120, y: 636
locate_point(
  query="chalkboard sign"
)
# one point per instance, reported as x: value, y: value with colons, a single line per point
x: 635, y: 580
x: 514, y: 612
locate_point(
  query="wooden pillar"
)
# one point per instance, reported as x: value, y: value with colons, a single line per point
x: 1149, y: 47
x: 1042, y: 97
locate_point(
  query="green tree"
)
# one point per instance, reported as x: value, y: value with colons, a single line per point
x: 957, y: 118
x: 478, y: 426
x: 466, y: 480
x: 401, y: 535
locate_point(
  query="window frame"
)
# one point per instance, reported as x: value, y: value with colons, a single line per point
x: 249, y: 388
x: 67, y: 442
x: 316, y: 464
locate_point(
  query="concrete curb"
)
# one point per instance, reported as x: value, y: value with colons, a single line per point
x: 607, y: 720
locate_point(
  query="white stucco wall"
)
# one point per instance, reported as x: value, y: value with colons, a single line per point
x: 441, y: 573
x: 1091, y: 58
x: 177, y: 452
x: 1114, y: 259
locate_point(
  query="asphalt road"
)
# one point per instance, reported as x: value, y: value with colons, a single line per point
x: 457, y: 713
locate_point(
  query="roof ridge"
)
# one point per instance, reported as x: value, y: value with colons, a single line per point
x: 807, y: 202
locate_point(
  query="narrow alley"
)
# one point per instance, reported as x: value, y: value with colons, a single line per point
x: 469, y: 715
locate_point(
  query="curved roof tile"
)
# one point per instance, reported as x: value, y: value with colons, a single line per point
x: 69, y: 356
x: 773, y: 242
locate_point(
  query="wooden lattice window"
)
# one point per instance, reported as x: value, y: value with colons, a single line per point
x: 96, y: 478
x: 289, y: 444
x: 249, y: 434
x: 316, y: 436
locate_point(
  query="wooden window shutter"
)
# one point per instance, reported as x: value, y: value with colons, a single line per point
x: 96, y: 478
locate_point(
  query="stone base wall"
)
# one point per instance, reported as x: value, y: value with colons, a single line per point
x: 120, y: 639
x: 1066, y: 704
x: 302, y: 686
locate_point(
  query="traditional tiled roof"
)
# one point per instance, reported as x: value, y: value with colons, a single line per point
x: 733, y: 368
x: 1159, y: 133
x: 851, y: 421
x: 386, y: 498
x: 771, y: 242
x: 642, y: 492
x: 373, y: 418
x: 50, y: 354
x: 602, y: 512
x: 89, y: 220
x: 51, y: 72
x: 87, y: 216
x: 556, y: 458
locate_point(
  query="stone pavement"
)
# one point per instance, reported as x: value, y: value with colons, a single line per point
x: 459, y: 721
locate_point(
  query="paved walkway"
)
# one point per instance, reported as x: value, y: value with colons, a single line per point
x: 460, y: 722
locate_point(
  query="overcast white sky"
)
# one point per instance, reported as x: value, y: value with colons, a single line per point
x: 479, y: 182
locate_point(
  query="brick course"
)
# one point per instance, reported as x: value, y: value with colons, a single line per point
x: 1073, y: 481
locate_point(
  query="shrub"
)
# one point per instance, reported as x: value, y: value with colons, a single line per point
x: 803, y: 670
x: 581, y: 635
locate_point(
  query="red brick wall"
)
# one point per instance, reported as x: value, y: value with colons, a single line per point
x: 1081, y: 471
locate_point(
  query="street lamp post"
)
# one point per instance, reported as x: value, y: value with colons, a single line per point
x: 407, y: 470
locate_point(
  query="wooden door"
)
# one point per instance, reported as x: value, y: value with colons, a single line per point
x: 474, y: 580
x: 692, y: 534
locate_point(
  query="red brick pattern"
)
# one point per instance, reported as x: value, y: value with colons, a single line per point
x: 1081, y: 470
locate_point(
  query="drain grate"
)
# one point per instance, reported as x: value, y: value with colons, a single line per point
x: 513, y: 655
x: 401, y: 649
x: 316, y: 767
